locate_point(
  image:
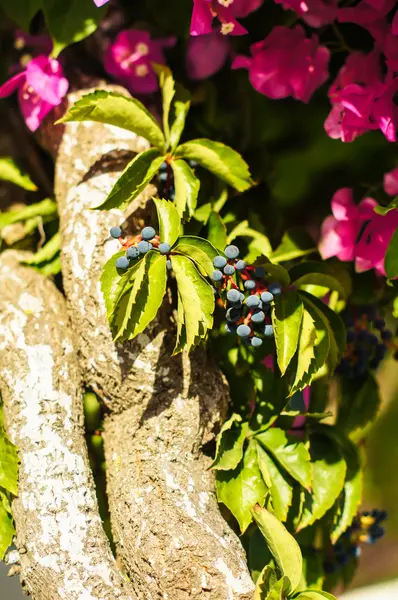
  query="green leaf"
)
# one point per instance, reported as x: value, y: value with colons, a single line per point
x: 352, y: 488
x: 47, y: 252
x: 289, y: 452
x: 275, y: 272
x: 286, y: 320
x: 7, y: 530
x: 280, y: 590
x: 116, y: 109
x: 197, y: 299
x: 21, y: 11
x: 202, y: 213
x: 169, y: 221
x: 8, y: 464
x: 295, y: 244
x: 199, y: 250
x: 45, y: 208
x: 383, y: 210
x: 333, y: 276
x: 265, y: 583
x: 334, y: 320
x: 324, y: 338
x: 280, y: 489
x: 70, y: 22
x: 167, y: 85
x: 181, y: 106
x: 114, y: 282
x: 9, y: 171
x: 187, y: 187
x: 305, y: 353
x: 328, y: 475
x: 217, y: 232
x: 139, y: 306
x: 220, y: 160
x: 391, y: 257
x: 315, y: 595
x: 51, y: 267
x: 362, y: 406
x: 282, y: 545
x: 134, y: 179
x: 229, y: 450
x: 242, y: 488
x: 313, y: 572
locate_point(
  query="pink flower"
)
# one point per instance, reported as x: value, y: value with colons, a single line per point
x: 129, y: 60
x: 41, y: 86
x: 204, y: 11
x: 100, y: 2
x: 339, y: 232
x: 286, y: 64
x: 314, y: 12
x: 242, y: 8
x: 362, y: 100
x: 391, y: 182
x: 370, y: 14
x: 371, y: 248
x: 206, y: 54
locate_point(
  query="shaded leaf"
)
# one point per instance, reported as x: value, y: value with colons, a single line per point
x: 333, y: 276
x: 286, y: 319
x: 187, y: 187
x: 169, y: 221
x: 306, y: 363
x: 275, y: 272
x: 391, y: 257
x: 45, y: 208
x: 230, y: 441
x: 9, y: 171
x: 265, y: 583
x: 47, y: 252
x: 324, y: 337
x: 362, y: 407
x: 221, y: 160
x: 167, y: 85
x: 334, y: 320
x: 217, y: 232
x: 280, y: 489
x: 315, y: 595
x: 295, y: 243
x: 114, y: 282
x: 313, y: 573
x: 198, y: 250
x: 7, y: 530
x: 116, y: 109
x: 21, y: 11
x: 352, y: 488
x: 181, y: 106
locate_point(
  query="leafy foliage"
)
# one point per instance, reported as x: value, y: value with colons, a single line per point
x: 9, y: 171
x: 8, y: 486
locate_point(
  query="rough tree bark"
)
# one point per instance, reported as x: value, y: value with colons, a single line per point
x: 167, y: 525
x: 63, y: 550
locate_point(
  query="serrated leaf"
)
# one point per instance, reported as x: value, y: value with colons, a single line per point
x: 181, y: 339
x: 169, y: 221
x: 221, y: 160
x: 282, y: 545
x: 230, y: 441
x: 289, y: 452
x: 217, y: 232
x: 5, y: 500
x: 198, y: 250
x: 45, y: 208
x: 197, y: 299
x: 9, y: 171
x: 259, y: 244
x: 8, y: 464
x: 47, y: 252
x: 114, y: 282
x: 286, y: 319
x: 266, y: 581
x: 333, y: 276
x: 181, y: 106
x: 187, y: 187
x: 139, y: 306
x: 21, y: 11
x: 315, y: 595
x: 324, y: 338
x: 391, y: 257
x: 167, y: 85
x: 334, y: 320
x: 7, y: 530
x: 70, y: 22
x: 134, y: 179
x: 352, y: 488
x: 362, y: 408
x: 280, y: 489
x: 295, y: 243
x: 305, y: 353
x: 242, y: 488
x: 116, y: 109
x: 280, y: 590
x: 328, y: 475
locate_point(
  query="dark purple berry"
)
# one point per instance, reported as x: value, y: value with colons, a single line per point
x: 256, y: 342
x: 231, y: 251
x: 229, y: 270
x: 259, y: 272
x: 164, y: 248
x: 219, y: 262
x: 267, y: 297
x: 216, y: 276
x: 144, y: 247
x: 240, y: 265
x: 243, y: 331
x: 252, y: 301
x: 115, y: 232
x: 386, y: 335
x: 233, y: 296
x: 233, y: 315
x: 250, y: 284
x: 268, y: 331
x: 122, y: 263
x: 275, y: 288
x: 258, y: 317
x: 148, y: 233
x: 132, y: 252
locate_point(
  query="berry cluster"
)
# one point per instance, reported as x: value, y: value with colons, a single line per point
x: 165, y: 182
x: 368, y: 341
x: 365, y: 529
x: 138, y: 246
x: 248, y: 294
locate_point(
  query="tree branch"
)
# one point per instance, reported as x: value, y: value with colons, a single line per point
x: 164, y: 513
x: 63, y: 549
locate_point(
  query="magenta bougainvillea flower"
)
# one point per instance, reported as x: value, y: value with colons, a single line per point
x: 129, y: 60
x: 286, y: 64
x: 362, y: 99
x: 100, y: 2
x: 206, y: 54
x: 391, y: 182
x: 370, y: 14
x: 339, y: 232
x: 314, y: 12
x: 372, y: 246
x: 41, y: 86
x: 204, y: 11
x: 242, y: 8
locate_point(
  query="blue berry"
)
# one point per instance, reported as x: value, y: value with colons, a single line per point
x: 231, y: 251
x: 168, y: 264
x: 233, y: 296
x: 230, y: 328
x: 115, y: 232
x: 144, y: 247
x: 252, y: 302
x: 259, y: 272
x: 380, y: 323
x: 240, y: 265
x: 216, y: 276
x: 243, y: 331
x: 250, y: 284
x: 268, y: 331
x: 163, y: 166
x: 163, y: 176
x: 267, y: 297
x: 148, y: 233
x: 122, y: 263
x: 164, y: 248
x: 233, y: 314
x: 373, y: 339
x: 380, y: 351
x: 132, y: 252
x: 386, y: 335
x: 229, y: 269
x: 219, y: 262
x: 256, y: 342
x: 258, y: 317
x: 350, y: 337
x: 275, y: 288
